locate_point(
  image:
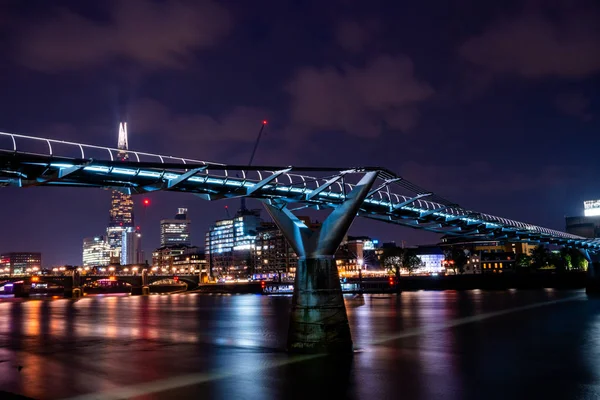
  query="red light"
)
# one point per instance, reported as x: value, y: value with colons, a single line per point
x: 176, y: 278
x: 264, y: 121
x: 146, y: 202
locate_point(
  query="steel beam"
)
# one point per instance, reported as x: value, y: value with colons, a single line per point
x: 267, y: 180
x: 409, y: 201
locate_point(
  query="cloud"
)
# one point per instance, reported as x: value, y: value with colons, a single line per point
x: 354, y: 36
x: 156, y: 34
x: 358, y: 101
x: 574, y: 104
x: 197, y: 136
x: 533, y: 45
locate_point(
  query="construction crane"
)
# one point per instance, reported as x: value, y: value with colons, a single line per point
x: 262, y: 127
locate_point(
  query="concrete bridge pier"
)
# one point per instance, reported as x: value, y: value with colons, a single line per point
x: 142, y: 288
x: 318, y: 320
x: 72, y: 285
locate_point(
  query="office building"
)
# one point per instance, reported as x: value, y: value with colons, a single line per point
x: 229, y: 245
x: 96, y: 252
x: 20, y: 263
x: 588, y: 225
x: 131, y: 251
x: 175, y: 232
x: 273, y: 255
x: 121, y: 206
x: 190, y: 262
x: 164, y: 257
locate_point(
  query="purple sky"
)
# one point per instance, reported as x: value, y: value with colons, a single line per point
x: 494, y: 106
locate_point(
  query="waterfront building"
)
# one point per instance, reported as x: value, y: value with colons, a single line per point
x: 274, y: 257
x: 131, y: 251
x: 432, y: 259
x: 121, y: 206
x: 587, y: 225
x: 163, y: 258
x: 20, y: 263
x: 190, y: 262
x: 495, y: 254
x: 230, y: 243
x: 96, y: 252
x: 176, y: 231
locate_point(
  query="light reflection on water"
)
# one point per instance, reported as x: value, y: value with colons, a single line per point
x: 100, y: 343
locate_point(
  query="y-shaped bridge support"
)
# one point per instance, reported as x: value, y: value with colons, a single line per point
x: 318, y: 321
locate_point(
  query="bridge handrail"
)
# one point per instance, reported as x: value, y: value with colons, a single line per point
x: 297, y: 186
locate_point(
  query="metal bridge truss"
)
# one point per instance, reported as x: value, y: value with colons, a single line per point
x: 30, y: 161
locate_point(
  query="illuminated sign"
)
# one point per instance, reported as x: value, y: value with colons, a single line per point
x: 591, y: 208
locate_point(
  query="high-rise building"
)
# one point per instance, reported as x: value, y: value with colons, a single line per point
x: 131, y: 250
x: 121, y: 206
x: 174, y: 232
x: 96, y: 252
x: 230, y: 245
x: 20, y: 263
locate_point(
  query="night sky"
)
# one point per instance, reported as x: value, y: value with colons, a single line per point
x: 494, y: 106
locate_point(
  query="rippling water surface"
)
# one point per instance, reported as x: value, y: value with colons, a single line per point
x: 418, y: 345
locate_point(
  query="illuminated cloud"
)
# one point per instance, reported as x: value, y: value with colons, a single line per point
x: 155, y: 34
x: 534, y: 45
x: 356, y: 100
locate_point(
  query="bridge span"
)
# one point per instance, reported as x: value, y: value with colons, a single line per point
x: 318, y: 321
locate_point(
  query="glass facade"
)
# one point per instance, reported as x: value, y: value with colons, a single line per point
x: 20, y: 263
x: 96, y: 252
x: 229, y: 245
x: 174, y: 232
x: 132, y: 247
x: 121, y: 206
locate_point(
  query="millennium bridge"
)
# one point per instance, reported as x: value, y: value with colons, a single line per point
x: 318, y: 321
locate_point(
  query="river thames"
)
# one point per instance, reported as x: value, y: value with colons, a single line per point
x: 418, y: 345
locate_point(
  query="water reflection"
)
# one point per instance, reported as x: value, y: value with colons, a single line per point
x: 232, y: 346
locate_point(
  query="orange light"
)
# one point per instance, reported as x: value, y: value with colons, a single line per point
x: 35, y: 279
x: 112, y: 278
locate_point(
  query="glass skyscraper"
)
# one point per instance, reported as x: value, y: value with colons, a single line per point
x: 96, y: 252
x: 121, y: 207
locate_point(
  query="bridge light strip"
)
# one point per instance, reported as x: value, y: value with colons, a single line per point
x: 491, y: 222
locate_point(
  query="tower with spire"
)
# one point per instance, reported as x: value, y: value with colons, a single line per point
x: 121, y: 208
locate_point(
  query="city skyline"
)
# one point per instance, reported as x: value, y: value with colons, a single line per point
x: 470, y: 116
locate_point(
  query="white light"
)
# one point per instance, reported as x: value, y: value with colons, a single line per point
x: 591, y: 212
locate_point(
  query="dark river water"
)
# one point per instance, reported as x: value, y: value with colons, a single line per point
x: 418, y: 345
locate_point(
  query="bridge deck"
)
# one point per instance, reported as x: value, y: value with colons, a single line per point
x: 392, y: 200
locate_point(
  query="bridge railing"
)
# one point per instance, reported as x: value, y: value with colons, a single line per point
x: 394, y: 198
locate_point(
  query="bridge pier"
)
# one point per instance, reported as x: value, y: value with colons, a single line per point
x: 143, y: 289
x: 318, y: 319
x: 73, y: 289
